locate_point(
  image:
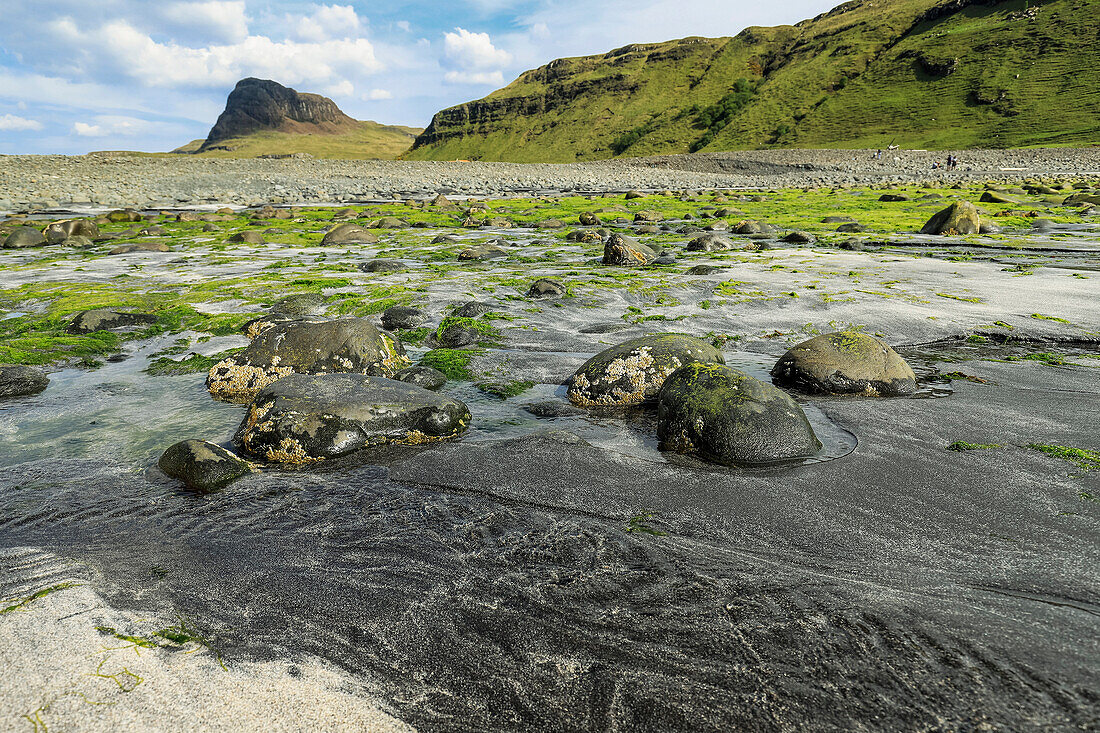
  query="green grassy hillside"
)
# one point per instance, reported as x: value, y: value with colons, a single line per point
x: 942, y: 74
x: 368, y: 140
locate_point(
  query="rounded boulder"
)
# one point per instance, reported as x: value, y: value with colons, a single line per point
x: 845, y: 362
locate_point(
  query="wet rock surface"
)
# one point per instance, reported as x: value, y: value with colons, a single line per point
x: 306, y: 347
x: 632, y: 372
x: 102, y: 319
x: 202, y: 466
x: 729, y: 417
x: 846, y: 362
x: 304, y: 418
x: 20, y: 381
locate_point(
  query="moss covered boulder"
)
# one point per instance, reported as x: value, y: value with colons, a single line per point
x: 202, y: 466
x: 729, y: 417
x: 960, y: 217
x: 305, y: 418
x: 632, y: 372
x: 845, y: 362
x: 306, y: 347
x: 626, y: 252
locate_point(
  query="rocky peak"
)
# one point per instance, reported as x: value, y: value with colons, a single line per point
x: 262, y: 104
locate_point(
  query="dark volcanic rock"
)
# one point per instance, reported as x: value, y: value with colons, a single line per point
x: 202, y: 466
x: 633, y: 372
x: 306, y: 347
x: 260, y: 104
x: 303, y: 418
x: 422, y: 376
x: 18, y: 381
x: 103, y: 319
x: 728, y: 417
x: 845, y: 362
x: 402, y: 316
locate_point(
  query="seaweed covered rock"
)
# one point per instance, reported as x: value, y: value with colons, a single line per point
x: 546, y: 287
x: 626, y: 252
x: 306, y: 347
x: 19, y: 381
x: 21, y: 237
x: 960, y: 217
x: 348, y: 234
x: 845, y: 362
x: 59, y: 231
x: 633, y: 372
x: 103, y: 319
x: 202, y: 466
x: 727, y: 416
x: 305, y: 418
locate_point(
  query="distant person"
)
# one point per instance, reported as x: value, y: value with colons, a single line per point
x: 878, y: 155
x: 935, y: 165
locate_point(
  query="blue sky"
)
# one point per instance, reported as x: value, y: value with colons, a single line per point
x: 77, y: 76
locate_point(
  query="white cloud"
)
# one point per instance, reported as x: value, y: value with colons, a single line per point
x: 85, y: 130
x: 472, y: 51
x: 474, y: 77
x: 375, y: 94
x: 105, y: 125
x: 220, y: 20
x: 328, y: 22
x: 135, y: 54
x: 341, y: 89
x: 404, y: 25
x: 11, y: 122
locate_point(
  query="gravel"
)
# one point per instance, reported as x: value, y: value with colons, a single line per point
x: 44, y: 182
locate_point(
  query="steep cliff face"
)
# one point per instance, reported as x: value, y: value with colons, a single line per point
x: 921, y: 73
x: 257, y: 105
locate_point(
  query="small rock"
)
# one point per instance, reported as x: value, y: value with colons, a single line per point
x: 402, y: 316
x: 248, y: 237
x: 851, y: 227
x: 960, y: 217
x: 102, y: 319
x: 300, y: 305
x: 472, y: 309
x: 799, y: 238
x: 348, y: 234
x: 140, y: 247
x: 20, y: 381
x: 422, y: 376
x: 845, y: 362
x: 704, y: 270
x: 626, y: 252
x: 728, y: 417
x: 633, y: 372
x: 482, y: 252
x: 304, y: 418
x: 202, y: 466
x: 588, y: 219
x: 383, y: 266
x: 710, y: 243
x: 546, y: 288
x: 893, y: 197
x: 24, y: 237
x: 552, y: 409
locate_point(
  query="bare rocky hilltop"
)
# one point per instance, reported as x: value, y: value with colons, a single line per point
x: 38, y: 182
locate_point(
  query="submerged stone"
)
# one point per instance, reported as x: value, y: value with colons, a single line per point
x: 845, y: 362
x: 633, y: 372
x: 304, y: 418
x: 306, y: 347
x: 20, y: 381
x: 727, y: 416
x: 202, y: 466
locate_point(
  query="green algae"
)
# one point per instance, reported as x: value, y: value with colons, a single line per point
x: 454, y: 363
x: 1081, y: 457
x: 960, y: 446
x: 21, y: 604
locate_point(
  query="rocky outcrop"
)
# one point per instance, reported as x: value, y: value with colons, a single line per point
x: 261, y: 104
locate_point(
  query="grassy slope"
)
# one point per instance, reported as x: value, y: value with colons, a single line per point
x: 370, y: 140
x: 849, y: 78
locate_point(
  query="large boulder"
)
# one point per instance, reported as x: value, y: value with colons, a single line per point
x: 59, y: 231
x: 306, y: 347
x: 728, y: 417
x: 21, y: 237
x: 104, y: 319
x: 845, y: 362
x: 19, y: 381
x: 348, y: 234
x: 960, y: 217
x: 632, y: 372
x: 304, y: 418
x: 626, y: 252
x: 202, y: 466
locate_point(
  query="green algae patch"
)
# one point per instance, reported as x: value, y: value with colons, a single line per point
x: 639, y: 524
x: 192, y: 364
x: 454, y: 363
x: 21, y: 604
x: 1084, y: 458
x: 504, y: 390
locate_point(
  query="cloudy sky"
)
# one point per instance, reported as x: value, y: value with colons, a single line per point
x: 81, y: 75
